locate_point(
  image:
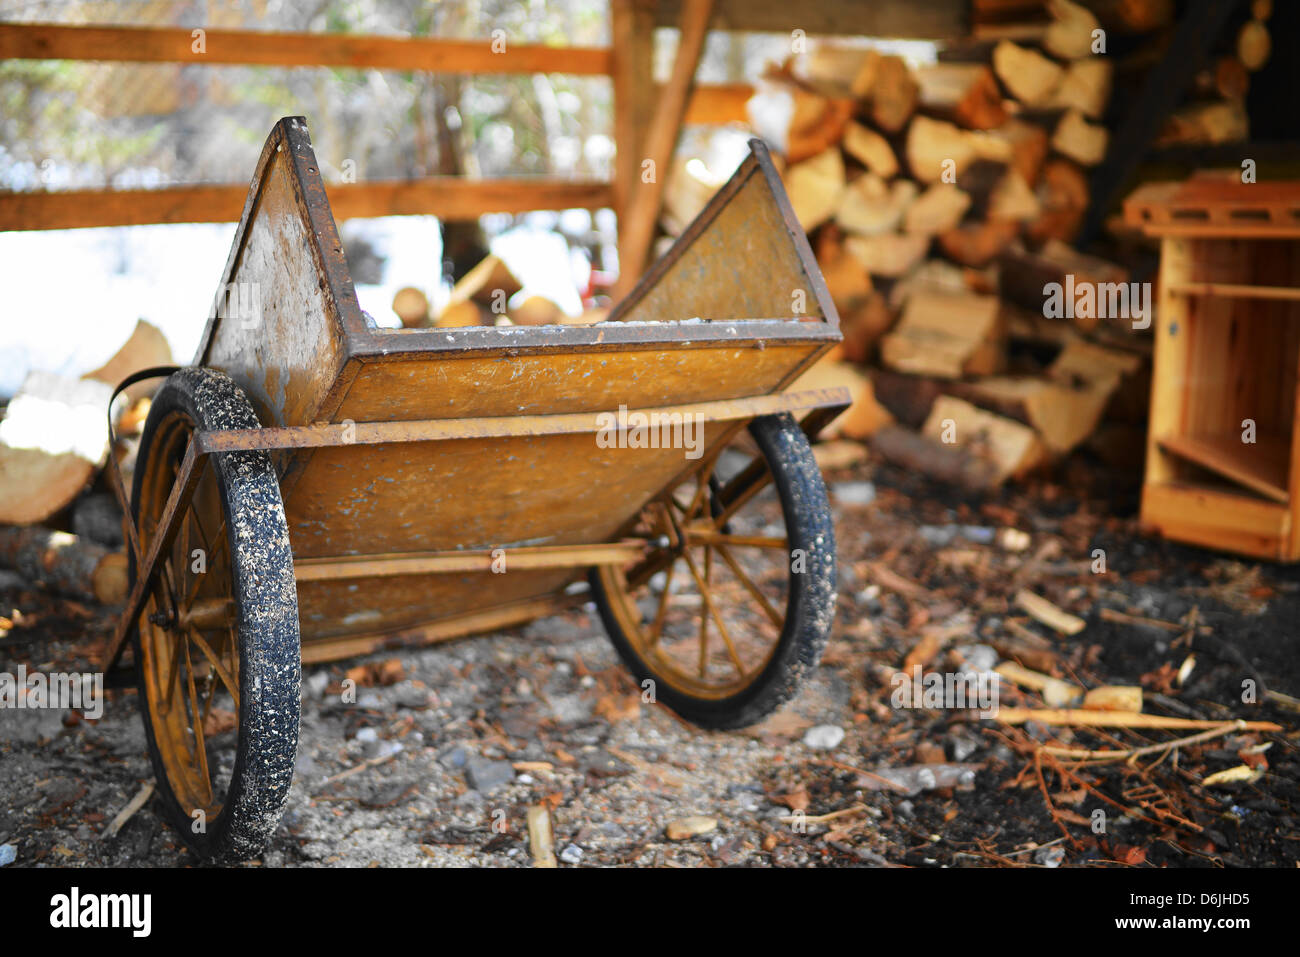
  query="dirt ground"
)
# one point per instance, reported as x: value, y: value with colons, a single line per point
x: 443, y: 752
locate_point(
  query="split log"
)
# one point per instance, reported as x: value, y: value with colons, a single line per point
x: 1206, y: 124
x: 1063, y: 191
x: 412, y: 307
x: 862, y: 325
x: 944, y: 463
x: 870, y: 206
x: 938, y: 151
x: 1013, y: 200
x: 870, y: 149
x: 488, y: 283
x: 65, y: 563
x: 1063, y: 414
x: 908, y: 398
x: 893, y: 94
x: 1226, y: 80
x: 1027, y: 75
x: 1254, y: 45
x: 1013, y: 449
x: 463, y: 312
x: 145, y: 348
x: 1081, y: 141
x: 864, y: 416
x: 817, y: 124
x: 935, y: 275
x: 889, y: 255
x: 53, y: 439
x: 1024, y: 148
x: 939, y: 209
x: 964, y: 93
x: 980, y: 243
x: 846, y: 280
x: 1126, y: 375
x: 536, y: 311
x: 1070, y: 35
x: 947, y: 335
x: 816, y: 186
x: 1026, y: 277
x: 1086, y: 87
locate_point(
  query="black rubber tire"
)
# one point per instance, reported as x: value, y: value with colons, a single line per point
x: 810, y: 605
x: 266, y: 602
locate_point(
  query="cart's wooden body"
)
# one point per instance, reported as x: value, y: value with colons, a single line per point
x: 315, y: 487
x: 432, y: 449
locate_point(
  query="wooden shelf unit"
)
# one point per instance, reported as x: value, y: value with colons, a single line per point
x: 1223, y: 451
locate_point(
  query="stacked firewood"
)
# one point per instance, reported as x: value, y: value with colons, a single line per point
x: 940, y: 201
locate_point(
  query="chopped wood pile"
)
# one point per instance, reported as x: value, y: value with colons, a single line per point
x: 60, y: 527
x: 941, y: 201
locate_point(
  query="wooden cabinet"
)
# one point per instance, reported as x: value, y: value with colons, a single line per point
x: 1223, y: 456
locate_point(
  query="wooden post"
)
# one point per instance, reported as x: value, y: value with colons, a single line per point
x: 636, y: 234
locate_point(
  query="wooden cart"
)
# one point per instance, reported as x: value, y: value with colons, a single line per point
x: 315, y: 487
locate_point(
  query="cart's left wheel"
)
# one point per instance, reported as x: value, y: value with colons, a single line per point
x: 217, y: 646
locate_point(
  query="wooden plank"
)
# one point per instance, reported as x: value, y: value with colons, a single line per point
x: 137, y: 44
x: 1170, y: 359
x: 1216, y: 519
x: 632, y: 34
x: 447, y: 197
x: 1261, y: 467
x: 636, y: 233
x: 921, y: 19
x: 467, y: 560
x: 323, y: 435
x: 1229, y: 290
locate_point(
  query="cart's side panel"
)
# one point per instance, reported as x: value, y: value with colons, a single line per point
x: 744, y: 257
x: 473, y: 494
x: 559, y: 380
x: 285, y: 307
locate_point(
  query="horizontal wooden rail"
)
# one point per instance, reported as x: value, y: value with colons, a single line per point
x: 46, y: 41
x: 476, y: 560
x: 1228, y: 290
x: 448, y: 198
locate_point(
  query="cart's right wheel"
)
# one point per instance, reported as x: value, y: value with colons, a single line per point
x: 733, y: 606
x: 217, y: 646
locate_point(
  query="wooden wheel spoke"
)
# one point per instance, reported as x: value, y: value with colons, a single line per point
x: 703, y: 536
x: 657, y: 628
x: 226, y: 678
x: 710, y: 611
x: 196, y: 727
x: 751, y: 587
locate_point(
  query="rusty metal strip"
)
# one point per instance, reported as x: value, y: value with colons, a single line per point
x: 187, y: 479
x: 479, y: 560
x: 114, y: 472
x: 489, y: 427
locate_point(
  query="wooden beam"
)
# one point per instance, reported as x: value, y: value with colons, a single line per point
x: 45, y: 41
x: 919, y: 19
x: 469, y: 560
x: 448, y: 198
x: 632, y: 33
x: 636, y: 233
